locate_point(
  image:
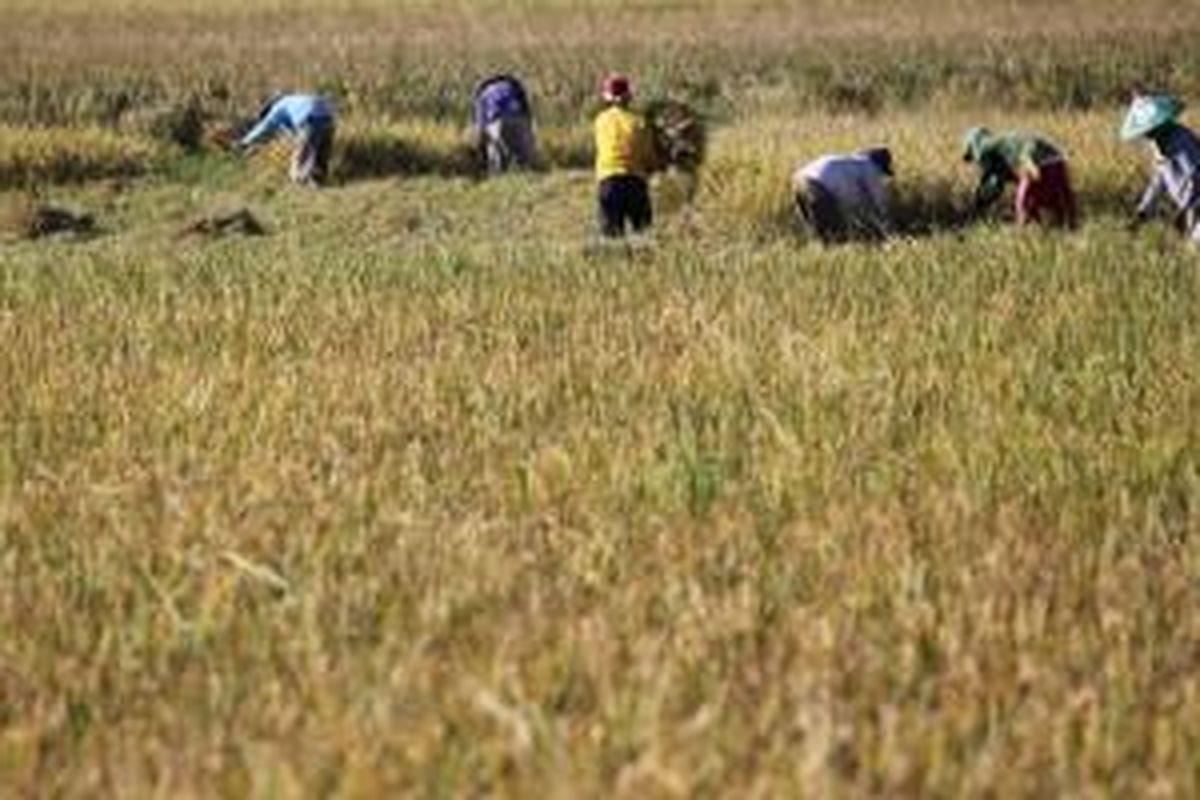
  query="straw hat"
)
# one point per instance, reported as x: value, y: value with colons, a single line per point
x: 974, y: 142
x: 1149, y: 112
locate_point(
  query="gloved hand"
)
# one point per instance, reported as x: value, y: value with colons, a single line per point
x: 1135, y: 222
x: 222, y: 138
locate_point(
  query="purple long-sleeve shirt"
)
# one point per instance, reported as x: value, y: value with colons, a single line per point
x: 499, y: 97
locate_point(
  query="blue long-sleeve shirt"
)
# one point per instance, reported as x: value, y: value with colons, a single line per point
x: 499, y: 97
x: 1177, y: 172
x: 291, y: 113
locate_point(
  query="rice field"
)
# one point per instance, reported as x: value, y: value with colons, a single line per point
x: 429, y: 493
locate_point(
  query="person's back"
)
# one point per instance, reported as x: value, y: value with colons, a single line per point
x: 1178, y: 166
x: 854, y: 179
x: 498, y: 97
x: 624, y: 161
x: 1017, y: 153
x: 1044, y: 190
x: 310, y: 119
x: 290, y: 113
x: 844, y: 196
x: 503, y: 123
x: 623, y: 144
x: 1155, y: 117
x: 304, y: 109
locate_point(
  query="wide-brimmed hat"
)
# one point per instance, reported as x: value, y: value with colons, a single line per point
x: 1149, y: 112
x: 880, y: 157
x: 973, y: 143
x: 616, y: 88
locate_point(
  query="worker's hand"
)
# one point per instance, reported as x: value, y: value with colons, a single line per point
x: 1135, y: 223
x: 223, y: 138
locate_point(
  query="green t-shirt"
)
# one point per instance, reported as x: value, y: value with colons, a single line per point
x: 1005, y: 157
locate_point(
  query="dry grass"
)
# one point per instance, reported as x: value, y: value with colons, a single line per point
x: 417, y: 496
x: 99, y: 62
x: 427, y: 494
x: 36, y: 156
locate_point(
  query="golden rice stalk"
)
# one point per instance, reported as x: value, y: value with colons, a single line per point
x: 35, y: 156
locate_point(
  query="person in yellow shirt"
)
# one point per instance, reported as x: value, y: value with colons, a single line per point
x: 624, y: 161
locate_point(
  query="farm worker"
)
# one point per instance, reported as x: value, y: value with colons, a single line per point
x: 1044, y: 192
x: 625, y: 156
x: 310, y: 121
x: 1177, y: 159
x: 844, y: 197
x: 504, y: 123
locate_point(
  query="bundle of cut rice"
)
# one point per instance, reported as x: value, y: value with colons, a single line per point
x: 224, y: 134
x: 241, y: 222
x: 680, y: 135
x: 25, y: 217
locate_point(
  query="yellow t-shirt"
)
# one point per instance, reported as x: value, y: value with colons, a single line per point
x: 623, y: 144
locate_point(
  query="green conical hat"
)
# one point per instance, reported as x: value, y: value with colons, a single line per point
x: 1148, y: 112
x: 973, y: 143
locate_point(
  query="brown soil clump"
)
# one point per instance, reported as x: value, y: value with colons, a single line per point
x: 27, y: 218
x: 236, y: 223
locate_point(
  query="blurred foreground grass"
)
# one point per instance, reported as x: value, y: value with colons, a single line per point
x: 428, y: 494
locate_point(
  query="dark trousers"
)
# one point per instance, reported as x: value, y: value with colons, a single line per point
x: 1048, y: 198
x: 624, y: 199
x: 314, y: 146
x: 822, y: 211
x: 508, y: 142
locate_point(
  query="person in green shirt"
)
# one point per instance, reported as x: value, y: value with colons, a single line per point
x: 1044, y: 193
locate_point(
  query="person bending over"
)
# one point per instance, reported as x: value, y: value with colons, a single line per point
x: 504, y: 124
x: 309, y: 119
x: 1176, y: 160
x: 843, y: 197
x: 1044, y: 193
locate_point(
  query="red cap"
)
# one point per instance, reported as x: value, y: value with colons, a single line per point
x: 616, y: 88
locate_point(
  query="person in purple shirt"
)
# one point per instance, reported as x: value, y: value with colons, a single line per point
x: 503, y: 119
x: 309, y: 119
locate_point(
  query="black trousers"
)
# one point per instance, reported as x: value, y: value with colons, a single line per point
x: 822, y: 211
x: 624, y: 199
x: 314, y: 147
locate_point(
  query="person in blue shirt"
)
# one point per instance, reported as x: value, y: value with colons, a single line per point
x: 1176, y: 160
x: 309, y: 119
x: 503, y: 118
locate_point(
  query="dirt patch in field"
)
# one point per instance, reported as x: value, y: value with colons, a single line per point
x: 27, y: 218
x: 381, y: 154
x: 241, y: 222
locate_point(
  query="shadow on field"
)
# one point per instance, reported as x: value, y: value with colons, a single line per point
x: 920, y: 209
x: 925, y: 209
x: 383, y: 154
x: 932, y: 208
x: 928, y: 208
